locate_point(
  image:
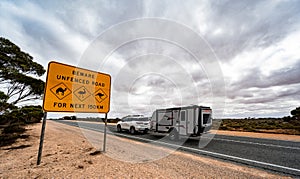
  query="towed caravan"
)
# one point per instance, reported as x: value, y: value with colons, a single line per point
x: 189, y: 121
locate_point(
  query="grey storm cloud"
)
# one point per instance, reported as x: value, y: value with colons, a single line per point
x: 293, y: 93
x: 155, y: 82
x: 145, y: 70
x: 267, y: 97
x: 250, y: 24
x: 281, y: 77
x: 280, y: 87
x: 90, y: 18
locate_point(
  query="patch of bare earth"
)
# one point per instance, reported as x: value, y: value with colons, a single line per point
x: 68, y: 154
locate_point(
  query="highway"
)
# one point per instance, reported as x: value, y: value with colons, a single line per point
x: 273, y: 155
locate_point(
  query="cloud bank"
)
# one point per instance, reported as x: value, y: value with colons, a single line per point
x: 256, y: 43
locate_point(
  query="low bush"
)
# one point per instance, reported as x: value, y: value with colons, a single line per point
x: 13, y: 122
x: 262, y: 125
x: 14, y: 128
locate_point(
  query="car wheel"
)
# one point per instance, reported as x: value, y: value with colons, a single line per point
x: 145, y: 131
x: 174, y: 136
x: 119, y: 129
x: 132, y: 130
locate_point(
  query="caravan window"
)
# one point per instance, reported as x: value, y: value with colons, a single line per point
x: 182, y: 116
x: 206, y: 119
x: 165, y: 118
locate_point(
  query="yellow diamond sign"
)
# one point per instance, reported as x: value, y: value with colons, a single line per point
x: 72, y: 89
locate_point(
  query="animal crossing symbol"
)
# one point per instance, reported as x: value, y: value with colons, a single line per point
x: 100, y: 95
x: 82, y: 93
x: 61, y: 91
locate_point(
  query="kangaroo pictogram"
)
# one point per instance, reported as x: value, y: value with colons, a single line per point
x: 100, y: 95
x: 61, y: 91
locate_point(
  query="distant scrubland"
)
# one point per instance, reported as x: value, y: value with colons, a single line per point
x: 265, y: 125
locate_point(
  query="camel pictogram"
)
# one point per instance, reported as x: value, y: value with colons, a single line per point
x: 61, y: 91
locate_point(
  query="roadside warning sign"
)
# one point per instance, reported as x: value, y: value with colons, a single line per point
x: 73, y: 89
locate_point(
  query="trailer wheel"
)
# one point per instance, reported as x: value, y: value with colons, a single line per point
x: 132, y: 130
x: 119, y: 129
x: 173, y: 136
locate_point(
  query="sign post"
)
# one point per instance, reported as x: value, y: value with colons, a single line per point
x: 104, y: 139
x: 42, y: 139
x: 72, y: 89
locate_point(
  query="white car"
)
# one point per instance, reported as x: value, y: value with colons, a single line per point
x: 134, y: 124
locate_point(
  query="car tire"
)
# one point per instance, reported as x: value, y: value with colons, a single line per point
x: 146, y: 131
x: 119, y: 129
x: 173, y: 136
x: 132, y: 130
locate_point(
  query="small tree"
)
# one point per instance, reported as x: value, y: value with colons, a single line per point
x: 296, y: 113
x: 16, y: 72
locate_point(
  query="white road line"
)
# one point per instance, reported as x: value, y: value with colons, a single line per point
x: 254, y: 143
x: 207, y: 152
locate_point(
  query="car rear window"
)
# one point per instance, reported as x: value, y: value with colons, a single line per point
x: 142, y: 119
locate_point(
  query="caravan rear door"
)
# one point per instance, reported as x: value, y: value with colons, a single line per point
x: 183, y: 120
x: 190, y: 120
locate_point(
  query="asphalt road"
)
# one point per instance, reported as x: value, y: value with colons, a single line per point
x: 275, y: 155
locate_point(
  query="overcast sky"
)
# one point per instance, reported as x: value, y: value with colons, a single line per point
x: 242, y: 58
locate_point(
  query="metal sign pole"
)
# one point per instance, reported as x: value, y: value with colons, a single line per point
x: 104, y: 140
x: 42, y: 139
